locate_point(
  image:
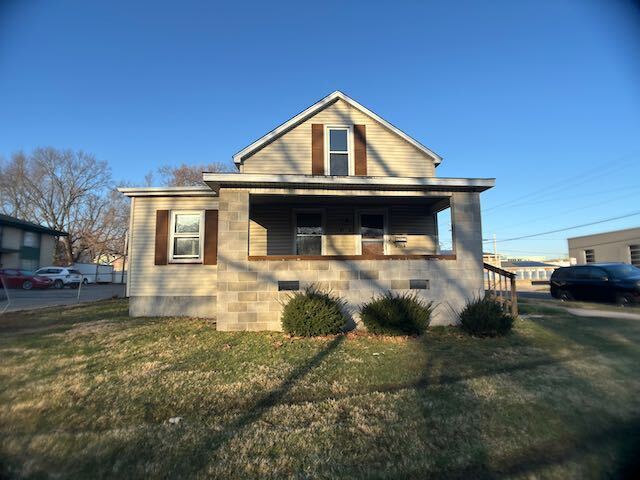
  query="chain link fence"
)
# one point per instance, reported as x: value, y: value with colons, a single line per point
x: 21, y: 293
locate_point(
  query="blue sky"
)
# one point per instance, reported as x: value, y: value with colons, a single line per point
x: 542, y: 95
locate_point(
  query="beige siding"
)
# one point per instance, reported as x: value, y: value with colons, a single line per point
x: 11, y: 238
x: 340, y: 238
x: 47, y: 249
x: 387, y: 153
x: 417, y: 225
x: 607, y: 247
x: 147, y: 279
x: 271, y: 229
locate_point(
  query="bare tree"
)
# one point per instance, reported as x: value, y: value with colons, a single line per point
x: 68, y: 191
x: 185, y: 175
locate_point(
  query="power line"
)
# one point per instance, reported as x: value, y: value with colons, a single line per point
x: 567, y: 228
x: 561, y: 196
x: 578, y: 209
x: 555, y: 187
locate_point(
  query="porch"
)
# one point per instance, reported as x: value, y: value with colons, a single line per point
x: 328, y: 227
x: 357, y: 236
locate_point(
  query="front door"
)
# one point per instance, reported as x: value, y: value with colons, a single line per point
x: 372, y: 233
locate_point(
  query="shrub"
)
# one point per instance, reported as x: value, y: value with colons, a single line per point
x: 485, y: 317
x: 393, y: 314
x: 313, y: 312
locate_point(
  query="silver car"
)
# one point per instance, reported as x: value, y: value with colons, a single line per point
x: 61, y: 276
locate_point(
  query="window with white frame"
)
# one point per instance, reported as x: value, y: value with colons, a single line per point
x: 309, y: 233
x: 338, y: 157
x: 30, y: 239
x: 589, y: 256
x: 634, y: 252
x: 186, y: 235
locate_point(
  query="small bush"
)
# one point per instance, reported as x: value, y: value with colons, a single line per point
x: 393, y: 314
x: 313, y: 312
x: 485, y: 317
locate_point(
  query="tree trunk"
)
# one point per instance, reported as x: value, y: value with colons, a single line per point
x: 68, y: 251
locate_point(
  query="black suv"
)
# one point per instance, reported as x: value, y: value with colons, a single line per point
x: 604, y: 282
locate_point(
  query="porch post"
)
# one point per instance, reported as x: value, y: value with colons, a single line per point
x: 467, y: 237
x: 233, y: 249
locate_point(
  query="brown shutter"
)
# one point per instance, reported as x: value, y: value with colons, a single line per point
x: 162, y: 232
x: 317, y: 149
x: 210, y: 237
x: 360, y: 149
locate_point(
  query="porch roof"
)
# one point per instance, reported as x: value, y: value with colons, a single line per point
x: 189, y: 191
x: 240, y: 180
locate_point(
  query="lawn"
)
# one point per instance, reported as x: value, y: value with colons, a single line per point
x: 86, y: 392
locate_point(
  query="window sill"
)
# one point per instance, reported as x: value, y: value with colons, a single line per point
x: 185, y: 262
x: 258, y: 258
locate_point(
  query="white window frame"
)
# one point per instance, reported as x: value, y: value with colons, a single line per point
x: 173, y: 235
x: 323, y: 224
x: 349, y: 151
x: 372, y: 211
x: 593, y: 253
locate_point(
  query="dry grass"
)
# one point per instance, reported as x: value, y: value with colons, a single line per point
x: 86, y: 392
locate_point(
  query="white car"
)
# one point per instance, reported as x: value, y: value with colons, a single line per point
x: 61, y: 276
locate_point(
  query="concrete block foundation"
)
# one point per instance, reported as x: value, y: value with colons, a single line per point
x: 177, y: 306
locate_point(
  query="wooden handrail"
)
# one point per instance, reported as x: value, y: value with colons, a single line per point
x: 507, y: 294
x: 501, y: 271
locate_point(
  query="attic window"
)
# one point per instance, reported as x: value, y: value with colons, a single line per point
x: 338, y: 159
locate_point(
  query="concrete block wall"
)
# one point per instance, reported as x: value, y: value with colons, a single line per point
x: 248, y: 296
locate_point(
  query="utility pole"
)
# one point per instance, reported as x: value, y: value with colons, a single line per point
x: 495, y: 251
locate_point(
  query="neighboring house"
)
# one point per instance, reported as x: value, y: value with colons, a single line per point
x: 336, y: 197
x: 26, y: 245
x: 616, y: 246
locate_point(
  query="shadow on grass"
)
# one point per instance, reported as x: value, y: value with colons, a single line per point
x: 255, y: 412
x: 62, y: 317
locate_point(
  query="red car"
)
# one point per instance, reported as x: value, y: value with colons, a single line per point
x: 21, y: 279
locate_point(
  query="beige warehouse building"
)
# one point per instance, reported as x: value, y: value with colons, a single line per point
x: 617, y: 246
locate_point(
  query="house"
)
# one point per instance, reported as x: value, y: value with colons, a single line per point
x: 615, y: 246
x: 26, y: 245
x: 336, y: 196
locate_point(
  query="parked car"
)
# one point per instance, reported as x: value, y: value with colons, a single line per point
x: 61, y: 276
x: 14, y: 278
x: 604, y: 282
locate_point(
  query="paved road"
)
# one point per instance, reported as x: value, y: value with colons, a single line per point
x: 29, y: 299
x: 535, y: 295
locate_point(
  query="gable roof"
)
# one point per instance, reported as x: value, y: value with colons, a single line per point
x: 315, y: 108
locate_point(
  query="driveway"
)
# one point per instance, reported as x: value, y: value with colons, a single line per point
x: 587, y: 312
x: 29, y: 299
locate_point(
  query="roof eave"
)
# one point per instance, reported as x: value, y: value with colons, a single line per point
x: 218, y: 180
